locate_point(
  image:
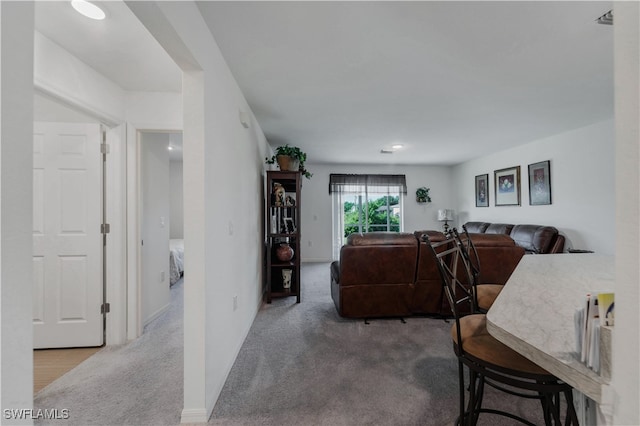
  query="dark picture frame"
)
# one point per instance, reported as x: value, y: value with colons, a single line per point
x: 482, y: 190
x: 507, y: 186
x: 540, y: 183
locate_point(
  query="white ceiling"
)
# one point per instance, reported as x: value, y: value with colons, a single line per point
x: 449, y: 80
x: 119, y: 47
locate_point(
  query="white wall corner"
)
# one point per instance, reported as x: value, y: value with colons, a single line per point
x: 16, y: 208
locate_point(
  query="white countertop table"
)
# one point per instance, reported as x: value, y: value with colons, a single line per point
x: 534, y: 313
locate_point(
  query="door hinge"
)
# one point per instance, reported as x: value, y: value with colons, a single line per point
x: 104, y: 148
x: 105, y: 228
x: 105, y: 308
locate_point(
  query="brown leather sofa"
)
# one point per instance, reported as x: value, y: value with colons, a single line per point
x: 390, y: 274
x: 375, y: 275
x: 532, y: 238
x: 498, y: 255
x: 428, y: 293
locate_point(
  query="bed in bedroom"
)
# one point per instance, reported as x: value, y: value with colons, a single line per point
x: 176, y: 259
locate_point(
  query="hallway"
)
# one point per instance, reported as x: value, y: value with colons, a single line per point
x: 139, y: 383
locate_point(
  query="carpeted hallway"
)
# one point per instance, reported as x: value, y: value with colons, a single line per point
x: 300, y: 365
x: 139, y: 383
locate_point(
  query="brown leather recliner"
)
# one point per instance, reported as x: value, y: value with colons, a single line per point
x: 390, y: 274
x: 538, y: 239
x: 375, y: 275
x: 498, y: 255
x: 428, y: 295
x: 533, y: 238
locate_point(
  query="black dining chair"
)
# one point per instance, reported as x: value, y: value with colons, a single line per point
x: 483, y: 294
x: 488, y: 360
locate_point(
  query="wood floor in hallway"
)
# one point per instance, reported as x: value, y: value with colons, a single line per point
x: 51, y: 364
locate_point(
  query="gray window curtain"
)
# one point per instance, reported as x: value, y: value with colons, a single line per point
x: 344, y: 183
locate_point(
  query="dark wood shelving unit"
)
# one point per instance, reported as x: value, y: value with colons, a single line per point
x: 283, y: 227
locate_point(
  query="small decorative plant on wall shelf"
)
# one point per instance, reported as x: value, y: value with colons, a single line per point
x: 422, y: 195
x: 290, y: 158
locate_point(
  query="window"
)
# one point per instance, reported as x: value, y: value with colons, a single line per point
x: 365, y: 203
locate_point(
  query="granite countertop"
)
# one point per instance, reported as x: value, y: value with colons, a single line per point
x: 534, y: 313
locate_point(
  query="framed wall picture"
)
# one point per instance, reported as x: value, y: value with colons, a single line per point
x: 507, y: 186
x: 289, y: 226
x: 540, y: 183
x: 482, y: 190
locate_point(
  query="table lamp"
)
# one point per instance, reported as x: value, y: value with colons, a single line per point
x: 445, y: 215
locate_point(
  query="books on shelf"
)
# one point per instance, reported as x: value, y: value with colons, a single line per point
x: 596, y: 311
x: 605, y: 306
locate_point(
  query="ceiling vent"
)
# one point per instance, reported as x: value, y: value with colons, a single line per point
x: 386, y: 151
x: 606, y: 19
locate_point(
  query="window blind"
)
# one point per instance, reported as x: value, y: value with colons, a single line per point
x: 349, y: 183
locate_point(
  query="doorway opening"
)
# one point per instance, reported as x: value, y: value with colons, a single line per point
x: 161, y: 220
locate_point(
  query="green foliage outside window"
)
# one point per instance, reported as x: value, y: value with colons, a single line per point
x: 377, y: 215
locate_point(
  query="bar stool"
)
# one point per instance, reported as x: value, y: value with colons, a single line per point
x: 484, y: 294
x: 488, y: 360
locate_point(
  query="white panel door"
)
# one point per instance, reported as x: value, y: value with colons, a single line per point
x: 67, y: 243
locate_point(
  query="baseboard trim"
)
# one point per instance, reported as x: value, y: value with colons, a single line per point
x: 156, y: 314
x: 194, y: 416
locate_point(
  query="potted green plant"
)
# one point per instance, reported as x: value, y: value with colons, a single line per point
x: 422, y: 195
x: 290, y: 158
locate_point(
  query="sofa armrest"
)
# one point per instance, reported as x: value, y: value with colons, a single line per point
x: 535, y: 238
x: 335, y: 271
x: 558, y: 245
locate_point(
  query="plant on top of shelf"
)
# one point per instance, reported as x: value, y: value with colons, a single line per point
x: 290, y: 158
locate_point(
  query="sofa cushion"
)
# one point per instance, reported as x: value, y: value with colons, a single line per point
x: 498, y: 255
x: 499, y: 228
x: 534, y: 238
x: 381, y: 238
x: 492, y: 240
x: 476, y: 227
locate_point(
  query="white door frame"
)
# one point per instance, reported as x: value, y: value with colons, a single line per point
x: 116, y: 249
x: 124, y: 322
x: 116, y: 327
x: 134, y: 323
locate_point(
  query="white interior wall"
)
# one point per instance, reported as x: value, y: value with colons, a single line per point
x: 624, y: 393
x: 223, y: 231
x: 16, y: 207
x: 317, y: 203
x: 582, y: 186
x: 155, y: 224
x: 154, y: 110
x: 61, y: 75
x: 16, y: 363
x: 62, y: 78
x: 46, y: 109
x: 176, y: 199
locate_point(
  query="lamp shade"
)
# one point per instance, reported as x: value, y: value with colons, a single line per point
x: 445, y: 214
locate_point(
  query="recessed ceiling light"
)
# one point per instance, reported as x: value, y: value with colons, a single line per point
x: 89, y: 10
x: 397, y: 146
x: 170, y: 148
